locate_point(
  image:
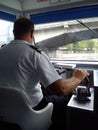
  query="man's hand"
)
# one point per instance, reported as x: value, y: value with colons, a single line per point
x: 80, y: 74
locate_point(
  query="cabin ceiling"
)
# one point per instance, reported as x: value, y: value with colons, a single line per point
x: 38, y: 6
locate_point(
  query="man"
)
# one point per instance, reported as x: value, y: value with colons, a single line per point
x: 24, y: 66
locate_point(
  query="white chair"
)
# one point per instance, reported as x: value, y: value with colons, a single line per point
x: 15, y: 108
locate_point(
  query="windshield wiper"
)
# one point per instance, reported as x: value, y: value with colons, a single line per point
x: 87, y: 27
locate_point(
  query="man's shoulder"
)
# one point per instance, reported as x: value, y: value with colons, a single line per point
x: 35, y: 48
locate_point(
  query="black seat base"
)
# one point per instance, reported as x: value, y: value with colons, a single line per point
x: 8, y: 126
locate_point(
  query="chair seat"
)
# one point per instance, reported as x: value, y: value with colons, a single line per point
x: 15, y: 108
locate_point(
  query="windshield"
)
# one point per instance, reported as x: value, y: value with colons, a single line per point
x: 69, y: 40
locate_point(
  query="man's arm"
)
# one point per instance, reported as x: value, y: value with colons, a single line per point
x: 66, y: 86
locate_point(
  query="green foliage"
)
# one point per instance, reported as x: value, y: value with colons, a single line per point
x: 83, y: 45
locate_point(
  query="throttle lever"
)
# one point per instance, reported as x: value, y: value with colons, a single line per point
x: 87, y: 86
x: 82, y: 92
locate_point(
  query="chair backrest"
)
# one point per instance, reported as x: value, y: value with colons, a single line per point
x: 15, y: 108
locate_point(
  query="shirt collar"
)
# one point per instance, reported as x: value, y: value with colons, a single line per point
x: 19, y: 41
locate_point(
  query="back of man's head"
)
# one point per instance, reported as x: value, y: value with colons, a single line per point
x: 22, y: 26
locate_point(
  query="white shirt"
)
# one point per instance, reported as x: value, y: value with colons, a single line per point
x: 23, y: 67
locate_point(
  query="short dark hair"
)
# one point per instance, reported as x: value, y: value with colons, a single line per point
x: 22, y: 26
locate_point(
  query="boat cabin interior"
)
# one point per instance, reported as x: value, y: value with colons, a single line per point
x: 67, y: 31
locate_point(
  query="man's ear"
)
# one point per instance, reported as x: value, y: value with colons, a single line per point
x: 32, y: 34
x: 13, y: 32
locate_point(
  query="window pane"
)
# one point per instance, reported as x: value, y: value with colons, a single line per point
x: 69, y: 40
x: 6, y: 32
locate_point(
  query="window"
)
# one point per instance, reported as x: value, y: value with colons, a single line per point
x: 6, y: 32
x: 69, y: 40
